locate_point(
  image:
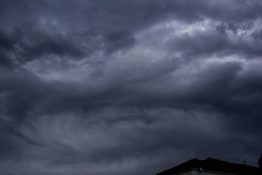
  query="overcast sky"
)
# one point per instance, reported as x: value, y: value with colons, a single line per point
x: 128, y: 87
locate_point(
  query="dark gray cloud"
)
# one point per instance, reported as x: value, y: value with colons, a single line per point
x: 128, y: 87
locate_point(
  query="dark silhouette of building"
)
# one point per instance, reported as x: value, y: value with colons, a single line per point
x: 212, y: 166
x: 260, y: 162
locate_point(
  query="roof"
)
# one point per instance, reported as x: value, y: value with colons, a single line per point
x: 214, y: 165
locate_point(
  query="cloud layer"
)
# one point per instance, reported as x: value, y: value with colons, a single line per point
x: 128, y: 87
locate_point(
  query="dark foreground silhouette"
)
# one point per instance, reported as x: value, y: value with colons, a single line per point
x: 215, y: 166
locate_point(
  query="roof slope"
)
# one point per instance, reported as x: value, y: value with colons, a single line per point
x: 213, y: 165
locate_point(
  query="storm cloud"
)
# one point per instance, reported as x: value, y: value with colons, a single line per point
x: 128, y: 86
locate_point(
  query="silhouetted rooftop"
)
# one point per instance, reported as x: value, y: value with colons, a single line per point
x: 214, y: 165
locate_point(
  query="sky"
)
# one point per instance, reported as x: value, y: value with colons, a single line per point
x: 113, y: 87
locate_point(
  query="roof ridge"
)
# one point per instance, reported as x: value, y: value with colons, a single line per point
x: 213, y: 165
x: 227, y: 162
